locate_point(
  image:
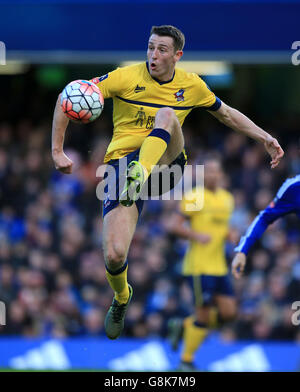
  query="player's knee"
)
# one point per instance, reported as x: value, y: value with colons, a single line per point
x: 165, y: 118
x: 229, y: 314
x: 166, y: 112
x: 202, y: 314
x: 115, y: 257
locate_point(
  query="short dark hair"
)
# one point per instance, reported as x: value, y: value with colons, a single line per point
x: 170, y: 31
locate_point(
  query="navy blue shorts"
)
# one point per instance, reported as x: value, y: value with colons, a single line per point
x: 205, y: 287
x: 115, y: 179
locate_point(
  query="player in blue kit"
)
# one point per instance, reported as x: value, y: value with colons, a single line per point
x: 286, y: 201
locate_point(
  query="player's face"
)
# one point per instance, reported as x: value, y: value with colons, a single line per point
x: 162, y: 57
x: 212, y: 174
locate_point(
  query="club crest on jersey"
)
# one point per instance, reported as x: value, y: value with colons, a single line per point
x: 179, y: 95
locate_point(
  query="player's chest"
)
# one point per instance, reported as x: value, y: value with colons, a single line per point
x: 155, y: 95
x: 215, y: 210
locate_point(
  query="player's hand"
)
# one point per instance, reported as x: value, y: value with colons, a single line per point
x: 274, y: 149
x: 238, y: 265
x: 62, y: 162
x: 203, y: 238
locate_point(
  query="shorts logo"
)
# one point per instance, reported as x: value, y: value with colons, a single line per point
x: 106, y: 202
x: 179, y: 95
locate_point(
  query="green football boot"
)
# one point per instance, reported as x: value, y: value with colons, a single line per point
x: 114, y: 320
x: 175, y: 332
x: 135, y: 179
x: 187, y: 367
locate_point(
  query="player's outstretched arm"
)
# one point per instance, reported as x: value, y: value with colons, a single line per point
x: 59, y: 126
x: 238, y: 265
x: 241, y: 123
x: 176, y: 226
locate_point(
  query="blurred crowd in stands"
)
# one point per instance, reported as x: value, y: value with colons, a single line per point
x: 52, y: 274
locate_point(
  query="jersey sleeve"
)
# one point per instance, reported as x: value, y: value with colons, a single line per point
x: 110, y: 84
x: 274, y: 211
x: 204, y: 96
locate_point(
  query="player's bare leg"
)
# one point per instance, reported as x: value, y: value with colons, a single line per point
x: 118, y: 229
x: 202, y: 314
x: 206, y: 318
x: 193, y: 330
x: 227, y: 307
x: 224, y: 311
x: 176, y: 144
x: 160, y: 147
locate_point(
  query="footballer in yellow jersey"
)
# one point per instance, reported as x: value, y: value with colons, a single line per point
x: 137, y: 96
x: 213, y: 219
x: 204, y: 263
x: 151, y: 101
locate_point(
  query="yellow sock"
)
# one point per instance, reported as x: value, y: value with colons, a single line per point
x: 153, y: 148
x: 193, y: 336
x: 118, y: 282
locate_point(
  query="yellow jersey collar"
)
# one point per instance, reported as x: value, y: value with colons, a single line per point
x: 159, y: 81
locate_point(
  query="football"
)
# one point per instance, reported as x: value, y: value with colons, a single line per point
x: 82, y: 101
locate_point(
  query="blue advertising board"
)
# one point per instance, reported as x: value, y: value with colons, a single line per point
x: 145, y: 355
x: 262, y: 29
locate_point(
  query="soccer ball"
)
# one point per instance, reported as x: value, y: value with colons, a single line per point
x: 82, y: 101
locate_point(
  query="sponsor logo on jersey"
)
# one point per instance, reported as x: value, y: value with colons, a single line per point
x: 138, y: 89
x: 179, y: 95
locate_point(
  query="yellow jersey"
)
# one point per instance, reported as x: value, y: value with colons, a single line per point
x: 212, y: 219
x: 137, y: 96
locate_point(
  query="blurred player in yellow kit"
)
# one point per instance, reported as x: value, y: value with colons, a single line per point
x: 204, y: 264
x: 151, y: 101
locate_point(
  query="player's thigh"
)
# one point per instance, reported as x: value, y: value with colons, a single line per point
x: 175, y: 145
x: 118, y: 229
x: 227, y: 306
